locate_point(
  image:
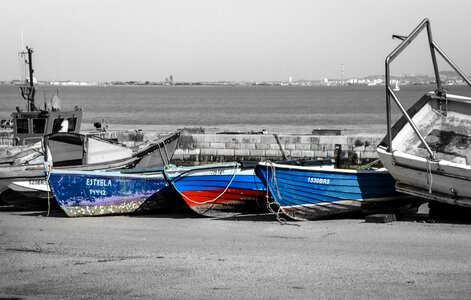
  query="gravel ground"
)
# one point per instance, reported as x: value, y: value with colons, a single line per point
x: 182, y: 256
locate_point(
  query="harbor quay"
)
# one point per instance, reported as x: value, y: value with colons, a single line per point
x: 197, y: 146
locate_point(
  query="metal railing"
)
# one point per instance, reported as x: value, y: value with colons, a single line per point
x: 406, y: 41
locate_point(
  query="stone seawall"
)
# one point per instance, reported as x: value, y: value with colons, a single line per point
x: 196, y: 146
x: 346, y: 149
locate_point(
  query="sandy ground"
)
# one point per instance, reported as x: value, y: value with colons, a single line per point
x: 181, y: 256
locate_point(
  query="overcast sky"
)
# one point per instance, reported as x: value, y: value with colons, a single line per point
x: 210, y: 40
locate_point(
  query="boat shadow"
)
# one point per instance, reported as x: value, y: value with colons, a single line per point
x: 260, y: 217
x: 421, y: 216
x: 28, y: 212
x: 170, y: 213
x: 179, y: 211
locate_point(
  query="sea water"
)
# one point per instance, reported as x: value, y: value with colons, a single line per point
x: 234, y: 108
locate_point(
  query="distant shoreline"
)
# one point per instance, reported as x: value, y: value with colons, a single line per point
x: 448, y: 78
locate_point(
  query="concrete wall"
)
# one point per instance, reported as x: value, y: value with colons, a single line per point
x: 200, y: 147
x: 195, y: 146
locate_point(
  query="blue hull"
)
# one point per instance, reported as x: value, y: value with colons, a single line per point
x: 314, y: 192
x: 219, y: 190
x: 92, y: 193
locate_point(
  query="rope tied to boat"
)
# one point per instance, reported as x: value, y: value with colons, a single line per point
x: 47, y: 168
x: 172, y: 182
x: 271, y: 201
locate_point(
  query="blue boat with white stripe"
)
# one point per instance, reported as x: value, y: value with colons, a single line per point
x: 307, y: 192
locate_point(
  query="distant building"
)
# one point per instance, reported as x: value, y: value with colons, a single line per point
x: 169, y: 80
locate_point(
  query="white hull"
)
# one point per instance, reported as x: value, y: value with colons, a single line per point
x: 435, y: 180
x: 32, y: 185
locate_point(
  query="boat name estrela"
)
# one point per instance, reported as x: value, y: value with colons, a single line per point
x: 98, y: 182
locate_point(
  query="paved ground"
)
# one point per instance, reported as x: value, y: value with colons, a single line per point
x: 181, y: 256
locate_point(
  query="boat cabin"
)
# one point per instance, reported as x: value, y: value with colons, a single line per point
x: 30, y: 127
x: 71, y: 149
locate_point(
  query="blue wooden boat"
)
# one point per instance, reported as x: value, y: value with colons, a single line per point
x: 219, y: 190
x: 318, y: 189
x: 93, y: 193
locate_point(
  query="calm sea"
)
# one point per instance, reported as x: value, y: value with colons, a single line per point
x: 242, y: 108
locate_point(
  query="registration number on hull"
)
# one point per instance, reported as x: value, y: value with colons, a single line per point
x: 318, y: 180
x: 37, y: 182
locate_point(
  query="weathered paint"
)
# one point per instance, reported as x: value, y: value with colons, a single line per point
x: 219, y: 190
x: 91, y: 193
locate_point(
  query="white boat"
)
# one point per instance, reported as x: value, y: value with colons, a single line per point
x: 428, y: 151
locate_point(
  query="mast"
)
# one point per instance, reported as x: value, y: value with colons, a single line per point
x: 31, y: 93
x: 28, y: 90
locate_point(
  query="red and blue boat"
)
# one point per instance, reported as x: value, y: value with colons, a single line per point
x: 308, y: 191
x: 93, y: 193
x: 219, y: 190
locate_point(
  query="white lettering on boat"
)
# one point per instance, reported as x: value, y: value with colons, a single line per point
x: 217, y: 172
x: 318, y: 180
x: 95, y: 192
x: 98, y: 182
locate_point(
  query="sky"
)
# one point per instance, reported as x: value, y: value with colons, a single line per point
x: 219, y: 40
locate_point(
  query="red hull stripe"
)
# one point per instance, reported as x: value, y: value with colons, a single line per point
x: 197, y: 198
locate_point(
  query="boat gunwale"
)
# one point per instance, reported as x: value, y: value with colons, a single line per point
x: 322, y: 169
x: 102, y: 173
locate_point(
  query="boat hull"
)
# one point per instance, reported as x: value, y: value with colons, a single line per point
x: 81, y: 193
x: 221, y: 190
x: 432, y: 180
x: 446, y: 128
x: 309, y: 193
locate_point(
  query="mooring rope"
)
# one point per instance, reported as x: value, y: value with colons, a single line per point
x: 172, y: 182
x: 274, y: 183
x: 47, y: 168
x: 48, y: 194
